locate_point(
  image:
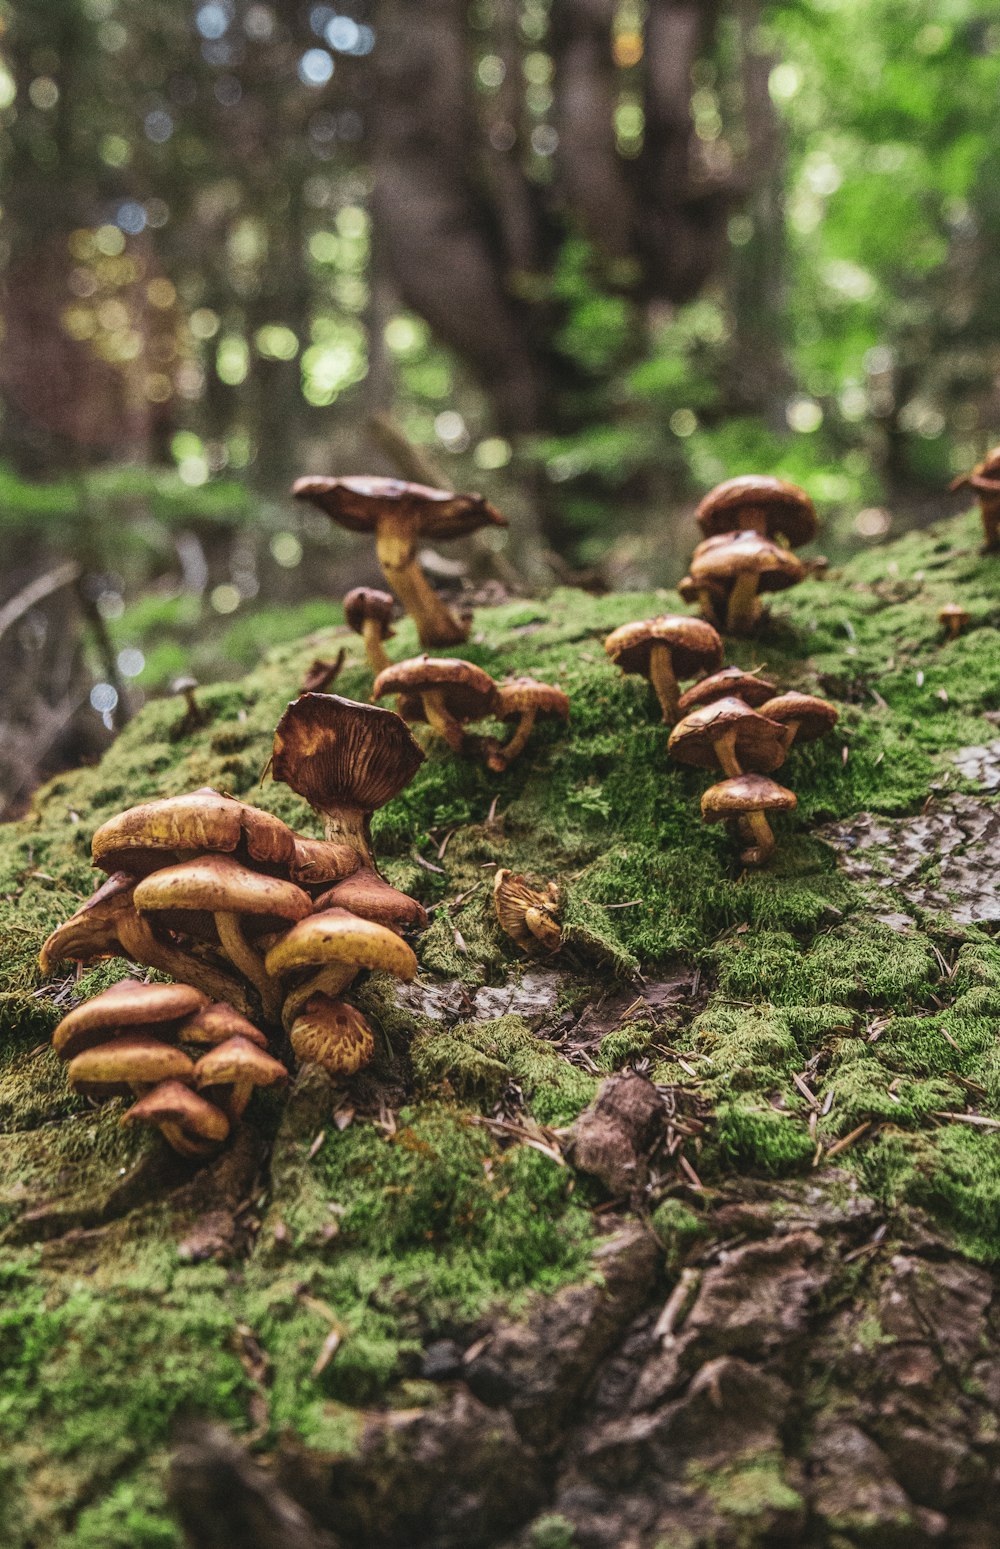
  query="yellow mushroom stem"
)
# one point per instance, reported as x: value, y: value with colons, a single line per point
x: 500, y: 755
x: 724, y: 748
x: 249, y: 961
x: 395, y: 545
x: 351, y: 826
x: 664, y: 681
x: 990, y: 507
x: 331, y: 980
x: 440, y: 717
x: 752, y: 519
x: 378, y: 657
x: 743, y: 607
x: 185, y: 1145
x: 760, y: 830
x: 144, y: 947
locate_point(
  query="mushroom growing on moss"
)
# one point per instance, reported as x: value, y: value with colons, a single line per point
x: 448, y: 690
x: 730, y: 734
x: 214, y: 1023
x: 663, y: 650
x: 523, y: 700
x: 126, y: 1007
x: 369, y: 613
x: 748, y: 798
x: 332, y: 1034
x: 330, y: 949
x: 229, y: 1073
x: 759, y: 503
x: 743, y: 568
x: 132, y: 1063
x: 192, y: 1126
x: 984, y: 478
x: 803, y: 716
x: 529, y: 915
x: 399, y: 514
x: 153, y: 834
x: 370, y: 898
x: 748, y: 686
x: 954, y: 618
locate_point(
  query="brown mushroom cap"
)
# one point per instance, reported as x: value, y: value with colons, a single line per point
x: 753, y: 690
x: 985, y: 476
x: 469, y: 693
x: 333, y: 1034
x: 367, y: 895
x: 366, y: 602
x: 238, y: 1062
x: 787, y: 509
x: 334, y: 752
x: 140, y: 839
x: 760, y: 743
x: 336, y: 936
x: 319, y: 861
x: 219, y: 884
x: 775, y: 568
x: 814, y: 716
x: 694, y: 645
x: 745, y: 794
x: 953, y: 612
x: 515, y: 696
x: 126, y: 1005
x: 134, y: 1059
x: 529, y: 915
x: 215, y: 1023
x: 92, y: 932
x: 359, y: 503
x: 192, y: 1125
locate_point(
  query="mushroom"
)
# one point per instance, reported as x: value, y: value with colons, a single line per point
x: 954, y: 617
x: 368, y: 896
x: 748, y: 686
x: 399, y: 514
x: 318, y: 862
x: 125, y: 1007
x: 109, y: 925
x: 748, y: 797
x: 213, y: 1024
x: 369, y: 613
x: 745, y: 566
x: 759, y: 503
x: 321, y: 673
x: 527, y: 914
x: 192, y: 1126
x: 346, y: 760
x: 132, y: 1063
x: 332, y: 948
x: 449, y: 691
x: 523, y: 700
x: 144, y: 837
x: 663, y: 650
x: 728, y: 733
x: 220, y: 886
x: 194, y: 716
x: 710, y: 599
x: 803, y: 716
x: 332, y: 1034
x: 984, y: 478
x: 230, y: 1071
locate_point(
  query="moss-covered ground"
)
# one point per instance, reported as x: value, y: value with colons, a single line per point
x: 417, y: 1218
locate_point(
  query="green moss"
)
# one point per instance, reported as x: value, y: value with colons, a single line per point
x: 552, y: 1532
x: 678, y: 1229
x: 626, y: 1044
x: 759, y: 1139
x: 749, y: 1488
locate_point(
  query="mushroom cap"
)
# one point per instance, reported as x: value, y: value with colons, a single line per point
x: 92, y: 932
x: 359, y: 503
x: 815, y: 716
x: 317, y: 861
x: 367, y: 895
x: 240, y: 1060
x: 333, y: 1034
x: 366, y: 602
x: 744, y: 794
x: 336, y: 753
x: 985, y: 476
x: 215, y: 1023
x: 137, y: 839
x: 516, y: 695
x: 469, y: 692
x: 514, y: 900
x: 219, y: 884
x: 953, y: 610
x: 753, y: 690
x: 760, y: 743
x: 172, y: 1103
x: 125, y: 1005
x: 694, y: 645
x: 337, y: 936
x: 108, y: 1069
x: 775, y: 568
x: 787, y: 509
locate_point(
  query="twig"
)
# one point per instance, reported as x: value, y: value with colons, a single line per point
x: 35, y: 592
x: 677, y: 1305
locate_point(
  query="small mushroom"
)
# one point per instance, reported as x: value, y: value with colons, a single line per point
x: 399, y: 514
x: 984, y: 478
x: 748, y: 686
x: 450, y: 692
x: 331, y: 948
x: 318, y: 862
x: 194, y: 716
x: 529, y: 915
x: 748, y: 798
x: 213, y: 1024
x: 346, y: 760
x: 368, y: 896
x: 332, y: 1034
x: 664, y: 650
x: 710, y: 599
x: 803, y: 716
x: 322, y: 672
x: 746, y: 566
x: 132, y: 1063
x: 523, y: 700
x: 230, y: 1071
x: 762, y: 504
x: 369, y: 613
x: 155, y: 833
x: 192, y: 1126
x: 124, y: 1007
x: 954, y: 618
x: 730, y: 734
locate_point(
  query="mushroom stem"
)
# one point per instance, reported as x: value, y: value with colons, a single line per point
x: 183, y: 1144
x: 724, y: 748
x: 326, y: 981
x: 396, y: 549
x: 990, y: 506
x: 760, y: 828
x: 144, y: 947
x: 499, y: 756
x: 753, y: 519
x: 249, y: 961
x: 661, y: 675
x: 706, y: 603
x: 349, y: 825
x: 440, y: 717
x: 378, y: 657
x: 743, y: 608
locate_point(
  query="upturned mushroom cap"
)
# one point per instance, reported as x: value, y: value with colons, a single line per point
x: 238, y: 1061
x: 814, y: 716
x: 775, y: 568
x: 333, y: 1034
x: 366, y: 602
x: 334, y: 752
x: 760, y: 743
x: 745, y: 794
x: 787, y: 509
x: 140, y: 839
x: 219, y: 884
x: 174, y: 1108
x: 135, y: 1059
x: 359, y: 503
x: 748, y: 686
x: 336, y: 936
x: 527, y: 914
x: 368, y: 896
x: 126, y: 1006
x: 316, y: 861
x: 515, y: 696
x: 469, y: 693
x: 694, y: 645
x: 215, y: 1023
x: 92, y: 932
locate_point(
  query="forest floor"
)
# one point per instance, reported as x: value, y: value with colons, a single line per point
x: 748, y: 1298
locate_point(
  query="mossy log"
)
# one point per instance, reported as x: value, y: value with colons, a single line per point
x: 750, y: 1298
